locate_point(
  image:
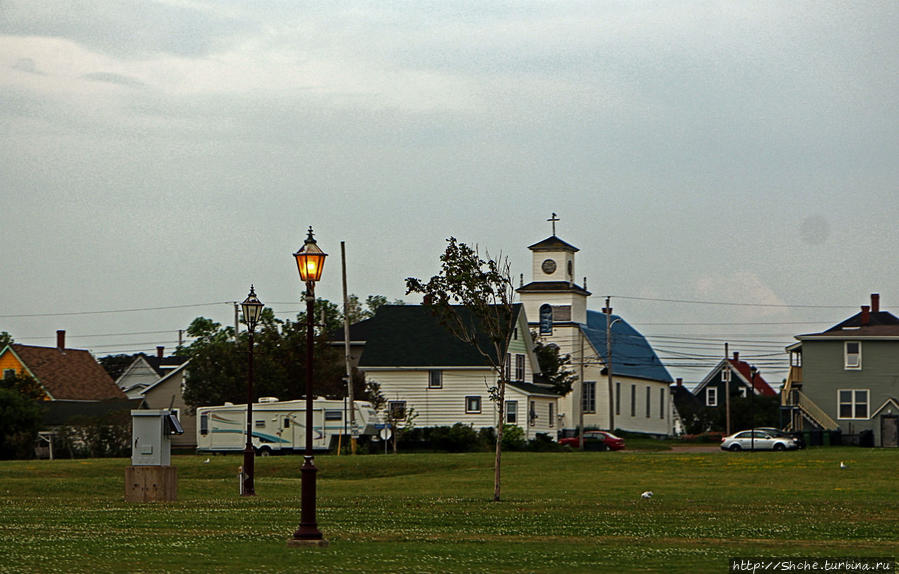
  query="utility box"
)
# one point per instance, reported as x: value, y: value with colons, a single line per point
x: 151, y: 476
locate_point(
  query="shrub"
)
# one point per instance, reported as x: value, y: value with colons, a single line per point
x: 513, y: 438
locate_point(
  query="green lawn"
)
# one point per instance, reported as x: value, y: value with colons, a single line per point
x: 562, y: 512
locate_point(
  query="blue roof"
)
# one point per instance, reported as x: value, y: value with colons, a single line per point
x: 632, y: 356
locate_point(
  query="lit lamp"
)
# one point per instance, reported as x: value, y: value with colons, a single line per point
x: 310, y: 261
x: 252, y: 310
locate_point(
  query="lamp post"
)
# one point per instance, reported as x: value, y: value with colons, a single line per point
x: 310, y: 260
x: 252, y: 309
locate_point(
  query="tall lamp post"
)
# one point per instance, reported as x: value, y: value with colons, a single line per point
x: 252, y: 309
x: 310, y: 260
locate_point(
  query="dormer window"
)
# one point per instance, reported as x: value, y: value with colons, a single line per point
x: 852, y: 355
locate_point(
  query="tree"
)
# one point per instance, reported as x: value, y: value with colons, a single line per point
x: 472, y: 297
x: 554, y: 366
x: 5, y: 339
x: 115, y: 365
x: 218, y: 367
x: 21, y: 413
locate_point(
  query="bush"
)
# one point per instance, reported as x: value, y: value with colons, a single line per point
x: 544, y: 443
x: 513, y: 438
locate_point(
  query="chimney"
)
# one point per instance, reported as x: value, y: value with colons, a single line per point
x: 875, y: 302
x: 680, y: 382
x: 736, y: 355
x: 61, y: 339
x: 159, y: 351
x: 866, y: 315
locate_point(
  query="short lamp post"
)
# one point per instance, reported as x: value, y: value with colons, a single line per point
x: 252, y: 309
x: 310, y: 260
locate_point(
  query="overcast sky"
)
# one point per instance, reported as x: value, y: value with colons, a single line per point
x: 168, y: 154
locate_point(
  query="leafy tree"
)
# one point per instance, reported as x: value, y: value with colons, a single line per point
x: 554, y: 367
x: 115, y: 365
x: 219, y: 367
x: 20, y: 420
x: 5, y: 339
x: 472, y: 297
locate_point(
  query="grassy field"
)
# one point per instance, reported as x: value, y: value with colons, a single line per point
x: 562, y: 512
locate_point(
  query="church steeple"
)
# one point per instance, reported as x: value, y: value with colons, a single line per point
x: 553, y: 282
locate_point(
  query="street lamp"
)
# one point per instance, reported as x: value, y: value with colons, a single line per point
x: 252, y: 309
x: 310, y: 260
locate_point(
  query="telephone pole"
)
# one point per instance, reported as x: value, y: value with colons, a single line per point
x: 346, y: 350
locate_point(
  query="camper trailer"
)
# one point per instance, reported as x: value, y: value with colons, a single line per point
x: 280, y: 426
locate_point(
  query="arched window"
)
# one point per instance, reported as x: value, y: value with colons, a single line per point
x: 546, y: 319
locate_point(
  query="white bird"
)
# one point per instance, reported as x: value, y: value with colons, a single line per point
x: 843, y: 465
x: 206, y: 461
x: 647, y: 495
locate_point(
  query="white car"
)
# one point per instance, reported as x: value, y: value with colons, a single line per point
x: 758, y: 440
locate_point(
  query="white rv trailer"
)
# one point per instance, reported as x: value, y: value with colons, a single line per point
x: 280, y: 426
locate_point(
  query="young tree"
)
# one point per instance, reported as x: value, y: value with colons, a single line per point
x: 472, y: 297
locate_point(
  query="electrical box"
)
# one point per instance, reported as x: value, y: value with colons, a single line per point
x: 151, y: 432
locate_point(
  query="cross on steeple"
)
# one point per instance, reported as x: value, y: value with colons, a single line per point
x: 553, y: 219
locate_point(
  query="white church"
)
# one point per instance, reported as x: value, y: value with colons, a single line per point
x: 637, y: 396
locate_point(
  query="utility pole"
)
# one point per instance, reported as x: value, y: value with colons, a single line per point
x: 346, y: 350
x: 580, y: 410
x: 608, y: 311
x: 725, y: 377
x: 236, y: 323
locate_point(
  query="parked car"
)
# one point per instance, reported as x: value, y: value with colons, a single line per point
x: 776, y: 432
x: 758, y: 440
x: 596, y: 440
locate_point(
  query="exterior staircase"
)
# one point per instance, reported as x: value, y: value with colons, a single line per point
x: 803, y: 408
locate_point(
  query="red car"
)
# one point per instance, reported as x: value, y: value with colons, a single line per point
x: 596, y: 440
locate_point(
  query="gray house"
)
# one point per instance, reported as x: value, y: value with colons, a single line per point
x: 847, y: 378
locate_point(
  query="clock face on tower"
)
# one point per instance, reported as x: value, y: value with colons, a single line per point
x: 549, y: 266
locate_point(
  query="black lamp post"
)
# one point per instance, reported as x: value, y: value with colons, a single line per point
x: 310, y: 260
x: 252, y: 309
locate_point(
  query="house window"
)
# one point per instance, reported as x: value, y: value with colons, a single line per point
x: 661, y: 403
x: 435, y: 379
x: 617, y: 398
x: 633, y: 400
x: 9, y: 374
x: 588, y: 400
x: 397, y: 410
x: 852, y: 355
x: 472, y: 405
x: 519, y: 367
x: 204, y: 424
x: 333, y: 415
x: 648, y: 401
x: 711, y: 397
x: 744, y: 392
x: 511, y: 412
x: 552, y: 415
x: 853, y: 403
x: 507, y: 368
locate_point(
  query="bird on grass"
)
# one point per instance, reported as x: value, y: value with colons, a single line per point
x: 843, y: 465
x: 647, y: 495
x: 206, y: 461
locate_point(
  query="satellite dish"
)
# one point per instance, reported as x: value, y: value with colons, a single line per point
x: 385, y: 433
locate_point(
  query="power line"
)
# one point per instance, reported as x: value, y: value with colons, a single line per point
x: 732, y: 304
x: 71, y: 313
